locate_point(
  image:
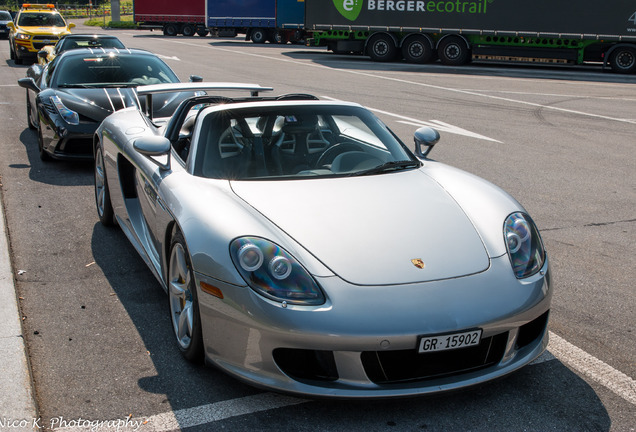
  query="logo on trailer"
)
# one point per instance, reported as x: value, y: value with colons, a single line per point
x: 350, y: 9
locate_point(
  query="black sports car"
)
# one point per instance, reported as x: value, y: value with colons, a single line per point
x: 75, y: 41
x: 69, y: 97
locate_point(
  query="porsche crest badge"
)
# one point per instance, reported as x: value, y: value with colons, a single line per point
x: 417, y: 262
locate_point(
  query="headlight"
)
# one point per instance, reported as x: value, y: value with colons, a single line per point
x: 272, y: 272
x: 524, y: 245
x: 69, y: 116
x: 22, y: 36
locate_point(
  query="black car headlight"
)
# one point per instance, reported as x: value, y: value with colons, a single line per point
x: 69, y: 116
x: 273, y: 272
x: 524, y: 245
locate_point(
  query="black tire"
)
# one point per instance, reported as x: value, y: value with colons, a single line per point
x: 259, y: 36
x: 102, y: 193
x: 188, y: 30
x: 30, y: 121
x: 202, y: 31
x: 623, y: 60
x: 16, y: 58
x: 281, y: 37
x: 44, y: 156
x: 453, y: 51
x: 183, y: 299
x: 381, y: 48
x: 11, y: 51
x: 170, y: 30
x: 417, y: 49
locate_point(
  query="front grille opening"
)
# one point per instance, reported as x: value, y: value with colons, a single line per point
x: 533, y: 330
x: 78, y: 146
x: 384, y: 367
x: 301, y: 364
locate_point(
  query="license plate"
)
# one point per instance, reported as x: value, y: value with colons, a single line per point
x: 449, y: 341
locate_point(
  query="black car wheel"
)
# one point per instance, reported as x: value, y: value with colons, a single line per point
x: 30, y: 121
x: 417, y: 49
x: 44, y: 156
x: 102, y: 193
x: 170, y: 30
x: 188, y: 30
x: 184, y: 304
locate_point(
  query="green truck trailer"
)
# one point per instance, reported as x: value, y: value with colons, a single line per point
x: 456, y: 31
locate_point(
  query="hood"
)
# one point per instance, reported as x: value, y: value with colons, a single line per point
x: 98, y: 103
x: 386, y: 229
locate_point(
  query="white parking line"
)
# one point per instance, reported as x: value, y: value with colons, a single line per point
x: 593, y: 368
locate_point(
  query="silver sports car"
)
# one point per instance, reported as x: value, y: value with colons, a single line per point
x: 304, y: 248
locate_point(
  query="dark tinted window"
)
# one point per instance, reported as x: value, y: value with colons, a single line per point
x: 33, y: 19
x: 5, y: 16
x: 89, y: 42
x: 112, y: 68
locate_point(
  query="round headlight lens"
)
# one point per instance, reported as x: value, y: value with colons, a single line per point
x: 280, y: 267
x: 250, y: 257
x: 524, y: 245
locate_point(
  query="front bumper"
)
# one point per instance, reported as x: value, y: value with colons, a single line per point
x: 362, y: 342
x: 69, y: 142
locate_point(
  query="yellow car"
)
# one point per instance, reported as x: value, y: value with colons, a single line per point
x: 35, y: 26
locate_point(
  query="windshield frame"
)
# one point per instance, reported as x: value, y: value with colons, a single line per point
x: 270, y: 130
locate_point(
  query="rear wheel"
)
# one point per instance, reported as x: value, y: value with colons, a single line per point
x: 30, y: 121
x: 381, y: 48
x: 259, y: 36
x: 102, y: 193
x: 170, y: 30
x: 202, y: 31
x: 188, y: 30
x: 184, y: 304
x: 453, y: 51
x: 623, y: 60
x: 417, y: 49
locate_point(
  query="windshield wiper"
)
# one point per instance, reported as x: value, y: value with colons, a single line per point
x: 388, y: 167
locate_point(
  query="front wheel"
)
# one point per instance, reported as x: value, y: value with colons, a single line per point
x: 184, y: 304
x: 623, y: 60
x: 102, y: 193
x: 44, y: 156
x: 30, y: 121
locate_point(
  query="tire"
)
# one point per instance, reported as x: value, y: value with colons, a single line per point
x: 453, y: 51
x: 30, y: 121
x: 623, y: 60
x: 183, y: 301
x: 381, y: 48
x: 44, y: 156
x: 17, y: 59
x: 202, y: 31
x: 281, y: 37
x: 188, y: 31
x: 102, y: 193
x: 170, y: 30
x: 259, y: 36
x: 417, y: 49
x: 11, y: 52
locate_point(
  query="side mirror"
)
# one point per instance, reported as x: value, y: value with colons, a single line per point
x: 196, y: 78
x: 71, y: 25
x: 425, y: 139
x: 11, y: 25
x: 29, y: 84
x: 155, y: 148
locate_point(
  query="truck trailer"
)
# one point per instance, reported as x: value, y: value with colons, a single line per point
x: 186, y: 17
x: 458, y: 31
x: 277, y: 21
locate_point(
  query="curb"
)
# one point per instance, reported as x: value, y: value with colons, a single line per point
x: 17, y: 404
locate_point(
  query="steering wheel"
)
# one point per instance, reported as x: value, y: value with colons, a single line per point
x: 327, y: 157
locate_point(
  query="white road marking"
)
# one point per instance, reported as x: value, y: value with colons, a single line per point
x: 593, y: 368
x: 376, y: 75
x: 437, y: 124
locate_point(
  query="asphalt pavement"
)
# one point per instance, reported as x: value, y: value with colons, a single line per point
x: 19, y: 411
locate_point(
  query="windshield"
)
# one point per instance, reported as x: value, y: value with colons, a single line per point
x: 99, y: 70
x: 296, y: 141
x: 5, y: 16
x: 38, y: 19
x: 88, y: 42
